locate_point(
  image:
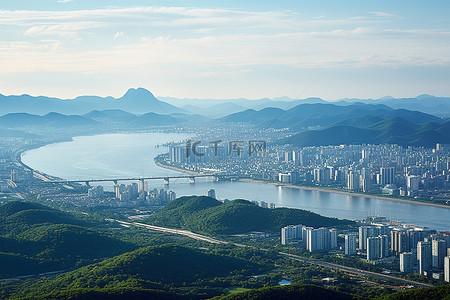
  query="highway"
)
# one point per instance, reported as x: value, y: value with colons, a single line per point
x: 187, y: 233
x: 352, y: 270
x: 325, y: 264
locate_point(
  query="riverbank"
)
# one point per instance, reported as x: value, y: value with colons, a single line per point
x: 159, y: 164
x: 319, y: 189
x: 36, y: 173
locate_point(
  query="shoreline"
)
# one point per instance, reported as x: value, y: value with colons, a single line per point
x: 47, y: 177
x: 36, y: 173
x: 161, y: 165
x: 318, y: 189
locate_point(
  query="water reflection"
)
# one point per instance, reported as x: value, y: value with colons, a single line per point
x: 87, y: 157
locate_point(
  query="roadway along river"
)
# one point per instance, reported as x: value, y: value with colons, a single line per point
x: 132, y: 155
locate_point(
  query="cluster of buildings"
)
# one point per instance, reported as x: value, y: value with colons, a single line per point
x: 22, y: 176
x: 417, y: 250
x: 387, y: 169
x: 17, y: 176
x: 211, y: 193
x: 262, y: 204
x: 320, y: 239
x: 378, y: 240
x: 133, y: 195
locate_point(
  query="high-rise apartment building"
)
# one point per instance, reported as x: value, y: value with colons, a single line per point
x: 350, y: 244
x: 447, y: 268
x: 387, y: 175
x: 438, y: 252
x: 406, y: 262
x: 424, y: 256
x: 373, y: 248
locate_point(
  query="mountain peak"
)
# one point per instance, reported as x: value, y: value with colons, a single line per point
x: 139, y: 92
x: 425, y: 96
x: 386, y: 98
x: 141, y: 101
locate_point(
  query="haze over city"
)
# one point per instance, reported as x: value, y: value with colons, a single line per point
x: 225, y: 150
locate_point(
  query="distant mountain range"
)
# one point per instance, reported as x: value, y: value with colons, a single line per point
x: 389, y: 131
x: 93, y: 118
x: 14, y: 120
x: 141, y: 101
x: 406, y: 121
x: 303, y: 116
x: 138, y: 101
x: 439, y: 106
x: 329, y: 124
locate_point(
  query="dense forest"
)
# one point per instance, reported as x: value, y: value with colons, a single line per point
x: 204, y: 214
x: 35, y: 238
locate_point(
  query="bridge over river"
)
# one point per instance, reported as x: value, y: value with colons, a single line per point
x: 216, y: 177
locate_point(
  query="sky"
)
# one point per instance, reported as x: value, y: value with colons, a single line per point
x: 221, y: 49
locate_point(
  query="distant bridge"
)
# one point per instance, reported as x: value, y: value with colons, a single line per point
x: 217, y: 177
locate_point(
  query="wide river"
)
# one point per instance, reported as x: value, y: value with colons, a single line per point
x: 132, y: 155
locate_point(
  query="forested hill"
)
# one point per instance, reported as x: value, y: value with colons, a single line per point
x: 155, y: 272
x: 35, y: 238
x: 434, y: 293
x: 366, y: 130
x: 204, y: 214
x: 307, y: 291
x: 290, y: 292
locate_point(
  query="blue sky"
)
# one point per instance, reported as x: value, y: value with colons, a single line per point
x: 225, y: 49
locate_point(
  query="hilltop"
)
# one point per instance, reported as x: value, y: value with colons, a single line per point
x: 373, y: 131
x: 204, y: 214
x: 35, y: 238
x: 295, y: 291
x: 156, y: 272
x: 307, y: 291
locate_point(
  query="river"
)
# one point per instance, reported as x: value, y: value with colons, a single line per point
x: 132, y: 155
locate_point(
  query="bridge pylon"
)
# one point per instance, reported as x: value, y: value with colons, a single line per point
x: 166, y: 180
x: 192, y: 180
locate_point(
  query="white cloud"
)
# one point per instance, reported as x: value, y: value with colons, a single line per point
x: 382, y: 14
x: 67, y: 29
x: 118, y: 34
x: 205, y: 43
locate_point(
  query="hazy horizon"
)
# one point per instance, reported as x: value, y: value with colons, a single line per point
x: 226, y: 49
x: 275, y: 98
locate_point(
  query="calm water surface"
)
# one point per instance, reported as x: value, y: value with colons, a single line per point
x: 132, y: 155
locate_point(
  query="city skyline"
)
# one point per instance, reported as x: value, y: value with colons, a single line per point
x: 225, y: 49
x: 180, y: 149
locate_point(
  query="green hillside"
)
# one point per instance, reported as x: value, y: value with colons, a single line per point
x: 435, y: 293
x: 372, y: 131
x: 35, y: 238
x: 11, y: 207
x: 160, y: 271
x: 289, y: 292
x: 204, y: 214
